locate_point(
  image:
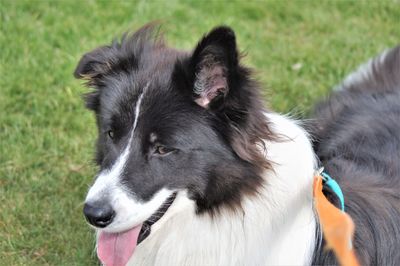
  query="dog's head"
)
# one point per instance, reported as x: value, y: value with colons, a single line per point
x: 171, y: 121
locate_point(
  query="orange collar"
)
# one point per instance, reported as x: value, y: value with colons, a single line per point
x: 337, y: 226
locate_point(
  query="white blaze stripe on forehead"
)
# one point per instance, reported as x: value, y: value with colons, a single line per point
x: 107, y: 180
x: 137, y: 111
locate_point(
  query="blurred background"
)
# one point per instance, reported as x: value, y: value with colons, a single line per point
x: 299, y: 50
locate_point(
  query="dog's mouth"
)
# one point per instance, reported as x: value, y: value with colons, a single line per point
x: 114, y: 249
x: 146, y: 226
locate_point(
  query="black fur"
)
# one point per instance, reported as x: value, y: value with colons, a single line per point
x: 357, y: 138
x: 212, y: 150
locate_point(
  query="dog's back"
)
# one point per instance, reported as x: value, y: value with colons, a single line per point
x: 357, y: 138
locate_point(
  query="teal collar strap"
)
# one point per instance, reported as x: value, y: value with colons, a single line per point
x: 334, y: 186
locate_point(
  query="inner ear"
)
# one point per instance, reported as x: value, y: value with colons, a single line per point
x: 211, y: 83
x: 213, y: 62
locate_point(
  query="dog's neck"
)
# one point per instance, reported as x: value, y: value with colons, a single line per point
x: 277, y: 226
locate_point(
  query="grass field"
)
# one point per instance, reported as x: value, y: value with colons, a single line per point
x: 300, y: 49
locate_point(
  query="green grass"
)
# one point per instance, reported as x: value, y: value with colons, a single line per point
x: 47, y: 137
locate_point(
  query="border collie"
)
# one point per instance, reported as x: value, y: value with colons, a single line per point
x: 195, y: 171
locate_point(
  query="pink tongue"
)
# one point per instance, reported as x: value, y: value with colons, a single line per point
x: 116, y: 249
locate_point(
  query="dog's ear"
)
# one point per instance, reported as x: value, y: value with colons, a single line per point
x: 213, y: 63
x: 90, y: 68
x: 94, y: 64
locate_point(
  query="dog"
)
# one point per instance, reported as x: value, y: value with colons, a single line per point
x: 194, y: 170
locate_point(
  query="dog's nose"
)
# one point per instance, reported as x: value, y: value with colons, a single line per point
x: 98, y: 214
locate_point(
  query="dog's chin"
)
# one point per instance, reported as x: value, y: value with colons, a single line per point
x: 120, y: 225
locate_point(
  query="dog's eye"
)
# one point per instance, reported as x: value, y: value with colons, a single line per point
x: 110, y: 133
x: 162, y: 150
